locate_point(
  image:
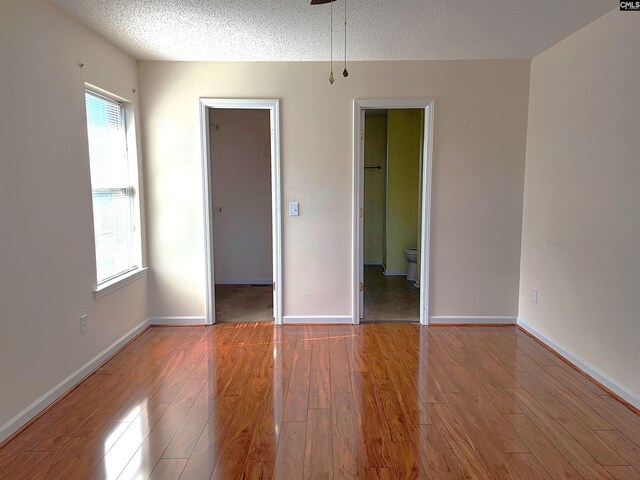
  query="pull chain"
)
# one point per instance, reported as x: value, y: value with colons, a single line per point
x: 331, y: 80
x: 345, y: 73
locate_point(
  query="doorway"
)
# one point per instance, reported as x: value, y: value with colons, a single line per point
x: 392, y: 198
x: 241, y: 175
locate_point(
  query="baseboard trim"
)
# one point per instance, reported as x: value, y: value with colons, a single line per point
x: 471, y: 320
x: 243, y: 281
x: 591, y: 372
x: 316, y: 319
x: 176, y: 321
x: 395, y: 273
x: 374, y: 262
x: 57, y: 393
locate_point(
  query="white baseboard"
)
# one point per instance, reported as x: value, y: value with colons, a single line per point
x: 471, y: 320
x: 243, y: 281
x: 395, y: 273
x: 72, y: 380
x: 289, y: 319
x: 374, y: 262
x: 176, y: 321
x: 587, y: 368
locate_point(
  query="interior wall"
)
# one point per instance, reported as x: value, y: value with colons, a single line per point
x: 241, y: 195
x: 375, y: 187
x: 404, y: 140
x: 478, y: 168
x: 581, y: 227
x: 422, y: 162
x: 47, y: 255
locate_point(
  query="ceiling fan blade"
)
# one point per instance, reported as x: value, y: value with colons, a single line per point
x: 321, y: 2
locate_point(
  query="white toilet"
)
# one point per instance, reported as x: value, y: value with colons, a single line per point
x: 411, y: 254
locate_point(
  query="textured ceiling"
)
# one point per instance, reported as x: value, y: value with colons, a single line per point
x: 294, y: 30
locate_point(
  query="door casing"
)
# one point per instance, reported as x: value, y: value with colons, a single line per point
x: 359, y: 108
x: 273, y: 105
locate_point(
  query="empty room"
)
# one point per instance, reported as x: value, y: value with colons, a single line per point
x: 319, y: 239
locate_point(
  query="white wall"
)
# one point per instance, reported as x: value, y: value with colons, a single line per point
x: 581, y: 226
x: 479, y: 150
x: 241, y: 190
x: 47, y: 259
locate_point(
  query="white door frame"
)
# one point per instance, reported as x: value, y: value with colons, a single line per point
x: 273, y: 105
x: 359, y: 107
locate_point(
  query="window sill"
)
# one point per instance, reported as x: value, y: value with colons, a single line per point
x: 112, y: 285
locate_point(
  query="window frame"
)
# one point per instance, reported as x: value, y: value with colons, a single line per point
x: 138, y: 269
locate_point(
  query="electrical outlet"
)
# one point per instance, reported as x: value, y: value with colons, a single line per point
x: 83, y: 324
x: 534, y: 296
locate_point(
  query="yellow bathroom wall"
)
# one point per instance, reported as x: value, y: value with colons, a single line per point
x: 404, y: 139
x: 375, y: 154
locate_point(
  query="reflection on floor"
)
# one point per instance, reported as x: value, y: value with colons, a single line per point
x: 389, y: 297
x: 244, y: 303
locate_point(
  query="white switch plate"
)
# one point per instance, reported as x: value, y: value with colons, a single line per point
x: 294, y: 209
x: 534, y: 295
x: 83, y: 324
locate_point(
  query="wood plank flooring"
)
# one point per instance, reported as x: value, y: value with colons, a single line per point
x: 375, y: 401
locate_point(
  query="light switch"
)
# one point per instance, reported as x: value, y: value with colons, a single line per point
x: 294, y: 209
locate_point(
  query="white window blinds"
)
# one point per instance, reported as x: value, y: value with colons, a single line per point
x: 114, y: 203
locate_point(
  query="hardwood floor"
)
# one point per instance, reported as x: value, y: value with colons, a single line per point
x: 376, y: 401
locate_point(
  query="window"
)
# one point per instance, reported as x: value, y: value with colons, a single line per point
x: 113, y: 176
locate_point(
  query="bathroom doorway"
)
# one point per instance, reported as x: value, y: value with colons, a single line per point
x: 241, y: 162
x: 392, y: 172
